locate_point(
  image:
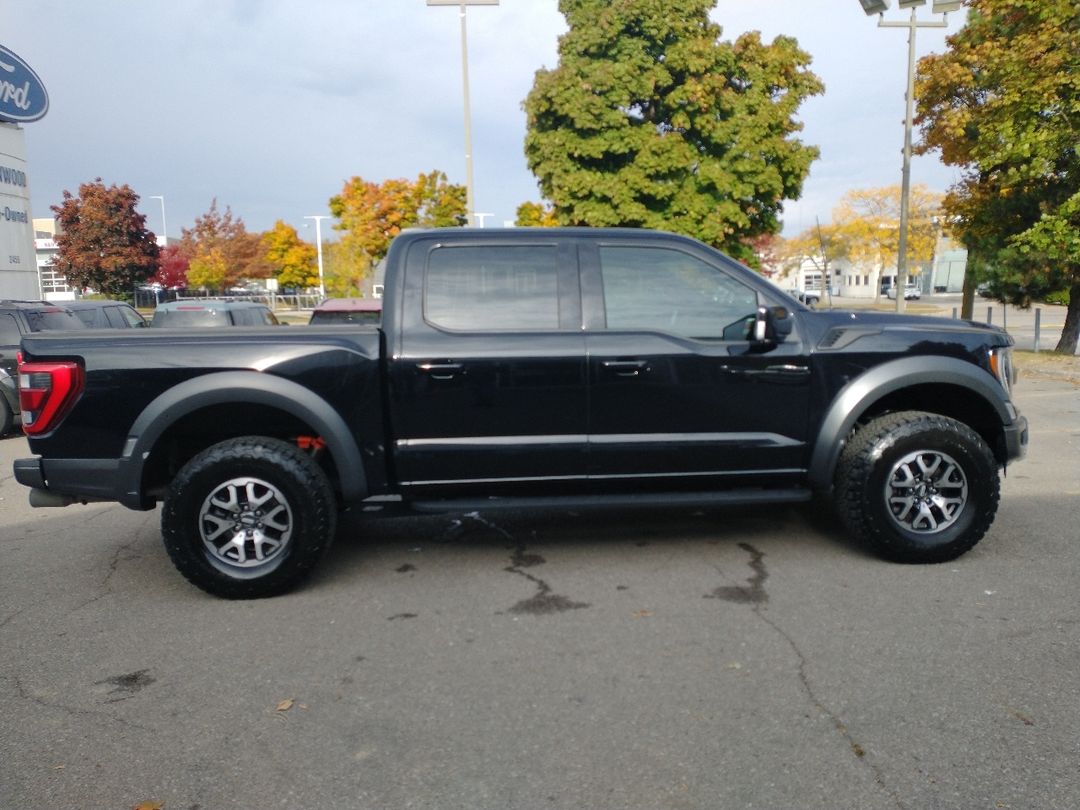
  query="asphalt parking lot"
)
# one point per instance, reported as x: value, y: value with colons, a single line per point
x: 612, y: 660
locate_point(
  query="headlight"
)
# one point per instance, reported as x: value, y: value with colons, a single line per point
x: 1001, y: 363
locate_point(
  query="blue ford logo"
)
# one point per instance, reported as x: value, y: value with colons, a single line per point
x: 22, y: 95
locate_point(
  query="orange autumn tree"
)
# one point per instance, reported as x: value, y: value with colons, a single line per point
x: 371, y: 214
x: 292, y: 260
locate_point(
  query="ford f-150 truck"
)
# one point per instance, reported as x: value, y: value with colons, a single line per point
x: 525, y: 368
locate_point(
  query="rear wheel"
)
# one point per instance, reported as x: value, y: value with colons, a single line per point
x: 248, y: 518
x: 917, y: 487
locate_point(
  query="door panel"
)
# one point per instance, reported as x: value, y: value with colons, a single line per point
x: 677, y: 390
x: 489, y: 386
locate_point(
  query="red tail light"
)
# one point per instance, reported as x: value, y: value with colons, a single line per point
x: 46, y: 393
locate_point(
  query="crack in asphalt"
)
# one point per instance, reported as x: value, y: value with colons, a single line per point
x: 7, y: 619
x: 106, y: 587
x: 22, y: 692
x: 543, y: 602
x: 754, y: 595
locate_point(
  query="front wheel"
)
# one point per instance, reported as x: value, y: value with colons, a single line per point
x: 248, y: 518
x: 917, y: 487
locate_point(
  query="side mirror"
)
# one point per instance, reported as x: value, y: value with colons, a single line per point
x: 771, y: 324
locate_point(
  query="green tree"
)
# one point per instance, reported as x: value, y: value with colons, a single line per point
x: 1003, y: 105
x: 372, y: 214
x: 292, y: 261
x: 103, y: 243
x: 650, y: 120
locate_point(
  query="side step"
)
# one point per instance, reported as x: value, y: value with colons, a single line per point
x: 735, y: 497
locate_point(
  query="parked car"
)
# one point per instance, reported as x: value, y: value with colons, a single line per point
x: 18, y: 318
x: 103, y: 314
x: 911, y: 291
x: 347, y: 310
x: 528, y: 368
x: 810, y: 297
x: 212, y: 312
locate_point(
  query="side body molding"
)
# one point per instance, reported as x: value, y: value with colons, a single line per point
x: 239, y: 388
x: 855, y: 397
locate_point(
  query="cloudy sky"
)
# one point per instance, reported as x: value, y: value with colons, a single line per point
x: 270, y: 105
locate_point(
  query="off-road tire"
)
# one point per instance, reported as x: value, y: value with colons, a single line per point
x: 896, y: 470
x: 248, y: 518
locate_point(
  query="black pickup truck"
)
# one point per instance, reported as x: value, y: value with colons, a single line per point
x: 527, y: 368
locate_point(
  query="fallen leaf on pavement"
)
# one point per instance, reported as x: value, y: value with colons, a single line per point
x: 285, y: 705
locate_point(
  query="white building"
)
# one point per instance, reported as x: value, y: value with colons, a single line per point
x: 18, y: 271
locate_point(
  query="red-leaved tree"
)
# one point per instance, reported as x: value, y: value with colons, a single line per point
x: 102, y: 241
x: 172, y: 268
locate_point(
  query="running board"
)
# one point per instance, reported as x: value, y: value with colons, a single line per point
x: 736, y: 497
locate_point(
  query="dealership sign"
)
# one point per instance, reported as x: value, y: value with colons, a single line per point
x: 22, y: 95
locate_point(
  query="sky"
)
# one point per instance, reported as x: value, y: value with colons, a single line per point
x: 269, y: 106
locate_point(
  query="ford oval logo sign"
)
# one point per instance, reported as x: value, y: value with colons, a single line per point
x: 22, y: 95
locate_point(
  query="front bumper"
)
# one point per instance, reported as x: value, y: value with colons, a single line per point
x: 1016, y: 439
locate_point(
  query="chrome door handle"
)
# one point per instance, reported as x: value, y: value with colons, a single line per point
x: 441, y: 371
x: 626, y: 368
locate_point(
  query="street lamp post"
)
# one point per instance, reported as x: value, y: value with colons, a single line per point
x: 470, y: 209
x: 164, y: 232
x: 880, y: 7
x: 318, y: 250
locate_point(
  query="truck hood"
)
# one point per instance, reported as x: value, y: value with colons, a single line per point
x: 868, y: 319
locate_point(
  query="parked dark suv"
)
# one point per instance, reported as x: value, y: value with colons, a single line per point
x: 103, y: 314
x: 212, y: 312
x: 18, y: 318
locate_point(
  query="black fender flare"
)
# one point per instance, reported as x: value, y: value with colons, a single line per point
x: 860, y: 393
x: 238, y: 387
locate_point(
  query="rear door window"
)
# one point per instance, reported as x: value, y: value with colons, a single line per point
x: 123, y: 317
x: 493, y: 288
x: 87, y: 316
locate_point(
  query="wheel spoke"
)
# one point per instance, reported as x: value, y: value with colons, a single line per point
x: 277, y: 518
x: 265, y: 546
x: 221, y: 525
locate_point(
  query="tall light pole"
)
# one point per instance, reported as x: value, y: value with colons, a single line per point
x: 879, y: 7
x: 164, y: 232
x: 470, y: 208
x: 318, y: 250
